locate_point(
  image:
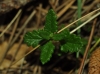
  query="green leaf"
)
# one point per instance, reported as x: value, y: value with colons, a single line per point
x: 45, y: 34
x: 73, y: 43
x: 71, y: 47
x: 46, y: 52
x: 84, y: 46
x: 51, y: 23
x: 32, y: 38
x: 61, y: 35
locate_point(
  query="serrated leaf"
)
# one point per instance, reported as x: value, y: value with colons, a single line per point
x: 45, y: 34
x: 46, y: 52
x: 84, y: 41
x: 51, y: 23
x: 73, y: 44
x: 71, y: 47
x: 72, y: 38
x: 32, y: 38
x: 61, y: 35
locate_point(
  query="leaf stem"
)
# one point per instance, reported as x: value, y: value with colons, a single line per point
x: 79, y: 14
x: 79, y: 9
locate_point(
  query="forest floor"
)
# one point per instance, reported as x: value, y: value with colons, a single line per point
x: 16, y: 19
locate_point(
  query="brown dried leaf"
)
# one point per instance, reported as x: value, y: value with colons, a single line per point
x: 6, y: 62
x: 94, y: 64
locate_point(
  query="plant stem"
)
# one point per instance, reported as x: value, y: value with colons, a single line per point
x: 79, y: 9
x: 79, y: 14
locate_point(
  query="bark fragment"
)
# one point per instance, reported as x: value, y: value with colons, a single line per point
x: 8, y: 5
x: 94, y: 64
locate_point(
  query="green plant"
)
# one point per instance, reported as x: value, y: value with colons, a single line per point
x: 79, y: 12
x: 68, y: 42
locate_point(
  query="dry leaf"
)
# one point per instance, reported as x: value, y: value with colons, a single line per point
x: 22, y: 51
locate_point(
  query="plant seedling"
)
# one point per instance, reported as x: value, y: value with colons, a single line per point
x: 69, y: 42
